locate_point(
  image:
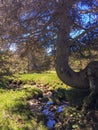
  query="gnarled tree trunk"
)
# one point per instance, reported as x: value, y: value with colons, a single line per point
x: 65, y: 73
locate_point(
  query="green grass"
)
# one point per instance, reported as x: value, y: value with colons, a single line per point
x: 14, y: 110
x: 47, y: 78
x: 40, y: 77
x: 15, y: 113
x: 59, y: 89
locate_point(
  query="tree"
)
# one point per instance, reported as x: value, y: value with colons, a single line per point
x: 4, y: 63
x: 37, y: 58
x: 80, y: 79
x: 70, y: 26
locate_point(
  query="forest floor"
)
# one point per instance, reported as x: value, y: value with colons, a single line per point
x: 42, y: 102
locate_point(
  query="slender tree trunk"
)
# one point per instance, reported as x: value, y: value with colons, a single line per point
x: 32, y: 67
x: 30, y: 58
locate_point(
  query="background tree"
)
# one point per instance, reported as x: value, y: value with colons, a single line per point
x: 4, y: 63
x: 37, y: 59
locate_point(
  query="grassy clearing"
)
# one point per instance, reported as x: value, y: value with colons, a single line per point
x: 40, y: 77
x: 48, y: 78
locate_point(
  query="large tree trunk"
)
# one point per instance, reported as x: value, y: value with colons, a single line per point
x: 74, y: 79
x: 66, y: 74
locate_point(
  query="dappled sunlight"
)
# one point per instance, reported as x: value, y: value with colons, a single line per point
x: 49, y: 65
x: 15, y: 109
x: 40, y: 102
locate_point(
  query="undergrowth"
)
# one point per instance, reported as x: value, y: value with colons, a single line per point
x: 15, y: 112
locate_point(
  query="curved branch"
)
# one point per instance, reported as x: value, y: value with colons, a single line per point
x: 65, y: 73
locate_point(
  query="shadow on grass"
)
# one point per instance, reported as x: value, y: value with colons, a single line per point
x: 73, y: 96
x: 3, y: 82
x: 10, y: 83
x: 28, y: 119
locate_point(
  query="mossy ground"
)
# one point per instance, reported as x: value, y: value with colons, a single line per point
x: 15, y: 113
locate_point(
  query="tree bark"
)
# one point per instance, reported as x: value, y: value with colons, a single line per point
x: 64, y: 72
x: 30, y: 58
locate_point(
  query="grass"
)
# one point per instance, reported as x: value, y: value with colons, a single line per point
x: 40, y: 77
x: 15, y: 113
x: 14, y: 110
x: 48, y: 78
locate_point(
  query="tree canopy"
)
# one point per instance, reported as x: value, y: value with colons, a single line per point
x: 60, y: 25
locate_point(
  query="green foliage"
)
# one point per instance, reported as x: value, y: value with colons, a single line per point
x: 4, y: 63
x: 73, y: 119
x: 59, y: 94
x: 18, y: 64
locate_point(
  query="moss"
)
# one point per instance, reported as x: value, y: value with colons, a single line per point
x: 73, y: 119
